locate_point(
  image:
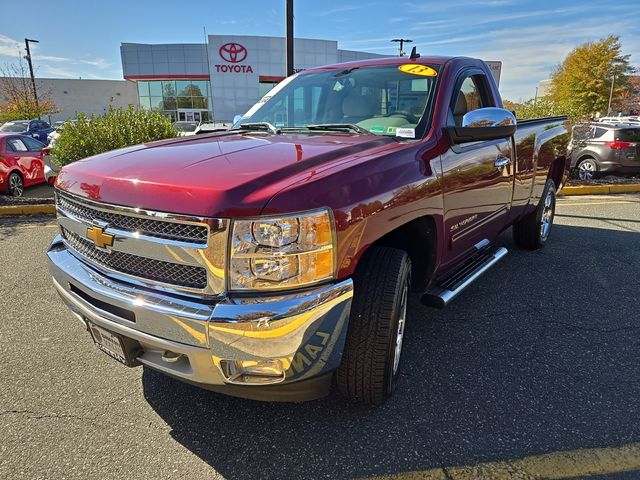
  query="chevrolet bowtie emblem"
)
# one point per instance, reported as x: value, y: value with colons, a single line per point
x: 99, y: 238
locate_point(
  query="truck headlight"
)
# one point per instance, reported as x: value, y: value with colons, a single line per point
x: 274, y: 253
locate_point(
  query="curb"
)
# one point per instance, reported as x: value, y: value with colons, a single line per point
x: 600, y: 189
x: 12, y: 210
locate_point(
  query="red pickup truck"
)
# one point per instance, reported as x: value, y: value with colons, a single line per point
x: 273, y: 259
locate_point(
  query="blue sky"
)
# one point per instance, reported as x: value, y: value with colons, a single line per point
x: 82, y: 38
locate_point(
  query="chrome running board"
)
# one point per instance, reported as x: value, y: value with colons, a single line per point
x: 442, y: 294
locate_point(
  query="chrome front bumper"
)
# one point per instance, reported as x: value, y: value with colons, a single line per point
x: 304, y: 332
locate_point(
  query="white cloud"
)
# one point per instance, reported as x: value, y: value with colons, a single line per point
x: 346, y: 8
x: 529, y: 44
x: 10, y: 47
x: 59, y: 71
x: 13, y: 48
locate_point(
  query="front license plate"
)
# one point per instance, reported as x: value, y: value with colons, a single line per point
x: 116, y: 346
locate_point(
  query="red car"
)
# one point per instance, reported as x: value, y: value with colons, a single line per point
x: 21, y: 163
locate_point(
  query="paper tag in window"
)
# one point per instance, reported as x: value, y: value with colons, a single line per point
x: 406, y: 132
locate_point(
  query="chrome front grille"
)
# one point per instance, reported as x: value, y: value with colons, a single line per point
x: 182, y: 232
x: 157, y: 271
x: 174, y: 253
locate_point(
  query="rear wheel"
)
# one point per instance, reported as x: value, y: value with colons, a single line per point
x: 532, y: 231
x: 373, y: 350
x: 16, y: 186
x: 587, y: 169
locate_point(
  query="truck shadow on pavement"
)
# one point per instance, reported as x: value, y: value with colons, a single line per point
x: 10, y: 226
x: 539, y: 355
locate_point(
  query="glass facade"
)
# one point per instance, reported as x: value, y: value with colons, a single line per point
x: 265, y: 87
x: 172, y: 96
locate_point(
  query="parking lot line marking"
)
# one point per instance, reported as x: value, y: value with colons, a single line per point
x: 575, y: 204
x: 554, y: 465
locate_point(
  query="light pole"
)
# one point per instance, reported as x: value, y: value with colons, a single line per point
x: 289, y: 38
x: 33, y: 78
x: 402, y: 41
x: 613, y: 80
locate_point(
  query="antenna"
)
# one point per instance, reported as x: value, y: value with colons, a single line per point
x: 414, y: 53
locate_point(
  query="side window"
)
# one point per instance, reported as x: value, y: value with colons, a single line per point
x: 16, y: 145
x: 32, y: 145
x: 599, y: 132
x: 471, y: 96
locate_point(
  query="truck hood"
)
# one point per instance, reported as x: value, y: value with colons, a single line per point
x: 213, y: 176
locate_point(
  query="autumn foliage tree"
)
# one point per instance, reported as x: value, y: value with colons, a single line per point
x: 581, y: 85
x: 16, y: 95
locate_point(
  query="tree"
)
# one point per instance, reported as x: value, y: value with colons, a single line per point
x: 16, y: 94
x: 581, y: 85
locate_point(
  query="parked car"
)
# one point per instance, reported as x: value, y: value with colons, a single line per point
x: 186, y: 129
x: 21, y: 163
x: 38, y: 129
x: 634, y: 120
x: 598, y: 148
x: 51, y: 167
x: 212, y: 127
x: 58, y: 126
x: 267, y: 260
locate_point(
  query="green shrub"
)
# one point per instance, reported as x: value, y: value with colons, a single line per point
x: 116, y: 129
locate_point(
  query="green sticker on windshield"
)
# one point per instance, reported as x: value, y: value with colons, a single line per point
x: 377, y: 129
x: 391, y: 130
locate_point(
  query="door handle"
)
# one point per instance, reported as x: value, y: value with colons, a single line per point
x: 502, y: 161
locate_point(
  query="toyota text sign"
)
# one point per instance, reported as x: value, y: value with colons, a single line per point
x: 233, y: 53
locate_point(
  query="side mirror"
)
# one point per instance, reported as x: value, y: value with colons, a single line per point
x: 488, y: 123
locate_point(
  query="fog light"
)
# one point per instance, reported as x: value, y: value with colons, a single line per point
x: 252, y: 371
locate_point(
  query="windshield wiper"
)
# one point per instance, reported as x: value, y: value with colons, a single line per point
x: 340, y: 127
x: 265, y: 126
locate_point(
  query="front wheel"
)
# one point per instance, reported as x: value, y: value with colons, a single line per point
x: 16, y: 186
x: 371, y: 360
x: 532, y: 231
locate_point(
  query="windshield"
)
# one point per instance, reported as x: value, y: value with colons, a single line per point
x: 186, y: 126
x: 381, y: 100
x: 15, y: 127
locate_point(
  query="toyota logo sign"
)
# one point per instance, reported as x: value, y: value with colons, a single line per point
x: 233, y: 52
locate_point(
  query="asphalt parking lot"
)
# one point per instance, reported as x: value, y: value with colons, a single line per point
x: 532, y: 373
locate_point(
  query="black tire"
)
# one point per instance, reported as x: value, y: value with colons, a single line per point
x: 369, y: 369
x: 529, y: 232
x: 587, y: 169
x: 15, y: 185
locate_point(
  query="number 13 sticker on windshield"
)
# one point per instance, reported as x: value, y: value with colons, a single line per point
x: 421, y: 70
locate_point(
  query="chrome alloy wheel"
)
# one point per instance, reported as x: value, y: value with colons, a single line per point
x: 547, y: 215
x: 400, y: 331
x: 16, y: 187
x: 586, y: 170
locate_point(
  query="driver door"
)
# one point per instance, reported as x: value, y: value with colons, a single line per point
x: 477, y: 177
